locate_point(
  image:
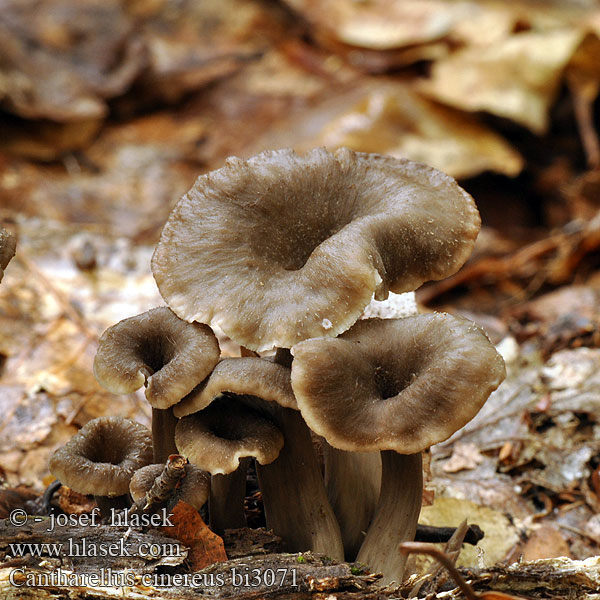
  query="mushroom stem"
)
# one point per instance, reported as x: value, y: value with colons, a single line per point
x: 352, y: 480
x: 397, y: 513
x: 294, y: 495
x: 226, y: 501
x: 163, y: 434
x: 283, y: 356
x: 107, y: 503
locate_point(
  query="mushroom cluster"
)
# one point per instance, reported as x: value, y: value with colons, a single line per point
x: 285, y: 252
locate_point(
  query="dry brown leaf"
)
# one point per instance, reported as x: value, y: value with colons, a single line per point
x: 383, y: 24
x: 205, y: 547
x: 73, y: 502
x: 545, y: 542
x: 390, y: 118
x: 500, y: 534
x: 516, y: 78
x: 465, y: 456
x: 192, y: 43
x: 61, y: 60
x: 583, y: 77
x: 13, y: 498
x: 46, y: 140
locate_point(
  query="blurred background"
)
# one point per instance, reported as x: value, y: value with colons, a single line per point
x: 109, y: 110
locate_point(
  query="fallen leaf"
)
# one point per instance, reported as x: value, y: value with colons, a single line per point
x: 384, y: 24
x: 465, y: 456
x: 500, y: 534
x: 205, y: 547
x: 516, y: 78
x: 545, y: 542
x: 190, y: 44
x: 61, y: 60
x: 390, y: 118
x: 73, y: 502
x: 13, y: 498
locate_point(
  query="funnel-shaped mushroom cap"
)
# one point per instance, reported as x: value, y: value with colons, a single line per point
x: 216, y: 438
x: 248, y: 376
x: 281, y: 248
x: 8, y: 246
x: 395, y: 384
x: 102, y: 456
x: 194, y: 487
x: 159, y: 350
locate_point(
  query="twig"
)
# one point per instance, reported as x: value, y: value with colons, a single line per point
x: 422, y: 548
x: 439, y: 535
x: 451, y: 549
x: 164, y: 485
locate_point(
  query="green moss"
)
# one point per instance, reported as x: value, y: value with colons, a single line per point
x: 358, y: 569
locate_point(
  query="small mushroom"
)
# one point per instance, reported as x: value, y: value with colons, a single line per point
x: 8, y: 246
x: 353, y: 479
x: 193, y: 488
x: 282, y: 248
x: 101, y: 458
x: 218, y: 439
x: 242, y: 376
x: 293, y: 492
x: 397, y: 386
x: 167, y: 355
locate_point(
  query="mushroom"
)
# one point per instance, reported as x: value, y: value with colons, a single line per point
x: 8, y: 246
x: 295, y: 500
x: 282, y: 248
x: 238, y: 377
x: 353, y: 479
x: 167, y: 355
x: 217, y: 439
x: 242, y: 376
x: 397, y: 386
x: 193, y: 488
x: 101, y: 458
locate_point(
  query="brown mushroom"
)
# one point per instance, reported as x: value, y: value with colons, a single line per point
x: 194, y: 487
x: 101, y: 458
x: 353, y: 479
x: 295, y: 500
x: 281, y: 247
x: 217, y: 439
x: 397, y: 386
x: 244, y: 376
x: 167, y: 355
x: 8, y: 246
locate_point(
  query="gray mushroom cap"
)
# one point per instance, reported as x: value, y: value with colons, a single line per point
x: 194, y: 487
x: 159, y: 350
x: 282, y: 247
x: 8, y: 246
x: 247, y: 376
x: 216, y: 438
x: 102, y: 456
x: 395, y: 384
